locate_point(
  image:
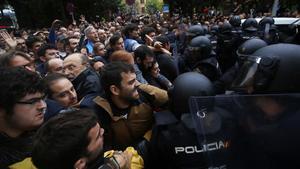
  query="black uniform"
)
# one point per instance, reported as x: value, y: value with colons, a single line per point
x: 178, y: 145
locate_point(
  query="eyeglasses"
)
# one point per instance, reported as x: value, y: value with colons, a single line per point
x: 33, y: 100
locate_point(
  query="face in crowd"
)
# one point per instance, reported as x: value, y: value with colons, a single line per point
x: 93, y: 35
x: 119, y: 45
x: 62, y: 91
x: 22, y: 101
x: 55, y: 66
x: 128, y: 88
x: 74, y: 64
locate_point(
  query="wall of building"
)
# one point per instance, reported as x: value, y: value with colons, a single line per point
x: 140, y: 5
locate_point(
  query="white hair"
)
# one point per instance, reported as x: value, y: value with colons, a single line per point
x: 88, y: 30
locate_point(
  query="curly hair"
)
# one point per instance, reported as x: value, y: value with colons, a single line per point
x: 15, y: 84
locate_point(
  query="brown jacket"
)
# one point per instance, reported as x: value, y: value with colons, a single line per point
x: 126, y: 130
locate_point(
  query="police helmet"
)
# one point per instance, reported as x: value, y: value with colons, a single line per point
x: 200, y: 48
x: 235, y: 21
x: 195, y: 30
x: 266, y: 20
x: 250, y: 46
x: 250, y: 25
x: 271, y: 69
x: 205, y: 29
x: 187, y: 85
x: 225, y: 28
x: 214, y: 29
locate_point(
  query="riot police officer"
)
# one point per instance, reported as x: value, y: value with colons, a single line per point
x: 228, y: 42
x: 268, y: 31
x: 178, y: 144
x: 214, y: 30
x: 201, y: 58
x: 250, y: 29
x: 246, y: 49
x: 193, y: 31
x: 235, y: 21
x: 271, y: 130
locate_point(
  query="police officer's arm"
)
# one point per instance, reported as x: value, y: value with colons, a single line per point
x: 160, y: 97
x: 157, y: 154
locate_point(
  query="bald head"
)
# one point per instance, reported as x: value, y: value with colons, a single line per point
x: 74, y: 64
x: 55, y: 66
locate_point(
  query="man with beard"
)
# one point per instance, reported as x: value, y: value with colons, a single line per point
x: 144, y: 58
x: 126, y: 109
x: 74, y: 140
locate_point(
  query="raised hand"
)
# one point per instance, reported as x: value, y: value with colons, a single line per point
x: 5, y: 36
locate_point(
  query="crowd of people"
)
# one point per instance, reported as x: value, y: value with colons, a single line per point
x: 115, y: 95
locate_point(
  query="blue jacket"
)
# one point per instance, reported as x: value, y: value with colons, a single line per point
x: 131, y: 45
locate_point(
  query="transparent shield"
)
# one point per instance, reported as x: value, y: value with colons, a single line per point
x: 254, y: 131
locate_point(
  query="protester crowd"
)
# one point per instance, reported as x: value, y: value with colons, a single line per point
x: 115, y: 94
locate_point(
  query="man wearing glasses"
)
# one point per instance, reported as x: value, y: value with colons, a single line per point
x: 22, y: 108
x: 17, y: 59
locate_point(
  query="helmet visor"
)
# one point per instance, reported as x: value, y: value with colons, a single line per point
x: 246, y: 73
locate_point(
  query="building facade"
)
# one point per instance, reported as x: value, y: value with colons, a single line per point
x: 139, y: 6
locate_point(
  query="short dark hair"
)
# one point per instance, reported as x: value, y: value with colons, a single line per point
x: 63, y: 140
x: 129, y: 28
x: 163, y: 39
x: 142, y: 52
x: 146, y: 31
x: 31, y: 40
x: 7, y: 57
x: 15, y: 84
x: 49, y: 79
x: 42, y: 50
x: 114, y: 39
x: 67, y: 40
x: 97, y: 46
x: 111, y: 74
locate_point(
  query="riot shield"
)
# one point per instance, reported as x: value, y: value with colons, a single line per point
x: 253, y: 131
